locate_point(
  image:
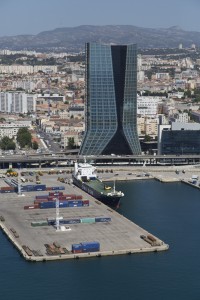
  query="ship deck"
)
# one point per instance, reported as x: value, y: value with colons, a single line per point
x: 99, y: 186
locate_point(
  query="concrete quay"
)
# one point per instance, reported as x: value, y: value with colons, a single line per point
x: 120, y: 236
x: 165, y: 174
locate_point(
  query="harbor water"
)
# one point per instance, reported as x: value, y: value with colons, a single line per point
x: 169, y: 211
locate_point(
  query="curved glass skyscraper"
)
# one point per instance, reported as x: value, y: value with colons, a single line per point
x: 111, y: 100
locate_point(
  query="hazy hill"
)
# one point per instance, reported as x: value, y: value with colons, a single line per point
x: 74, y: 38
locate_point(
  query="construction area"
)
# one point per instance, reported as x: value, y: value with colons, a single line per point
x: 85, y: 228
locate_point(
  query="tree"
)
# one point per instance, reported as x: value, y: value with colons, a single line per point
x: 35, y: 145
x: 71, y: 143
x: 147, y: 138
x: 7, y: 144
x: 24, y: 137
x: 188, y: 94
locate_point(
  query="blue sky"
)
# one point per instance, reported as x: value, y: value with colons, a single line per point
x: 32, y: 17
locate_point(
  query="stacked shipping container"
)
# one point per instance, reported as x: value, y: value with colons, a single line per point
x: 86, y: 247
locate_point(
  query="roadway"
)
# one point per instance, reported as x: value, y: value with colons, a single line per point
x: 61, y: 157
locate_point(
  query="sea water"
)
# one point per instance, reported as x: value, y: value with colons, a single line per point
x: 170, y: 211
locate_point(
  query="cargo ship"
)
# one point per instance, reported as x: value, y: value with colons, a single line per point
x: 85, y: 177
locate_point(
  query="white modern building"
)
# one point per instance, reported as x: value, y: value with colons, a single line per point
x: 17, y: 102
x: 180, y: 117
x: 148, y: 106
x: 26, y: 69
x: 10, y: 130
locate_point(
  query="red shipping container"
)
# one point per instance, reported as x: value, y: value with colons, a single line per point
x: 55, y: 194
x: 77, y: 251
x: 34, y: 206
x: 62, y: 198
x: 48, y: 188
x: 40, y: 200
x: 86, y: 202
x: 7, y: 188
x: 51, y: 198
x: 79, y: 197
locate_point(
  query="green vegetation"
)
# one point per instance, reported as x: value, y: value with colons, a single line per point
x: 76, y: 58
x: 7, y: 144
x: 35, y: 145
x: 147, y: 138
x: 24, y: 138
x: 30, y: 60
x: 159, y: 94
x: 71, y: 143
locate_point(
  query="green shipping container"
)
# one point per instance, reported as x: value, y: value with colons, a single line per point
x: 88, y: 220
x: 39, y: 223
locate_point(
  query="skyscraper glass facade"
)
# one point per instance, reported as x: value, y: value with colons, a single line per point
x: 180, y: 142
x: 111, y: 100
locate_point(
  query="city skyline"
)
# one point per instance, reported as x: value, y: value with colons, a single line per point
x: 18, y: 18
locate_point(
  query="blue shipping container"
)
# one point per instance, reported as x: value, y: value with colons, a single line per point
x: 72, y: 221
x: 52, y: 222
x: 38, y: 188
x: 41, y: 197
x: 41, y: 185
x: 47, y: 204
x: 77, y: 247
x: 74, y: 204
x: 76, y: 201
x: 63, y: 204
x: 102, y: 219
x: 85, y: 250
x: 28, y: 186
x: 28, y: 190
x: 52, y: 204
x: 91, y: 245
x: 59, y: 188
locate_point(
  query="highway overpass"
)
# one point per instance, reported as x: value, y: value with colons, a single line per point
x: 60, y: 159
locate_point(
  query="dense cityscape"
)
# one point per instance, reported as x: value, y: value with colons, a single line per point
x: 99, y: 150
x: 51, y: 98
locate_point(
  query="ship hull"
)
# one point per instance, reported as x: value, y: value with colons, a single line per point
x: 112, y: 201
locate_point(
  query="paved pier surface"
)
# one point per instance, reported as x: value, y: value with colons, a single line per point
x: 120, y: 236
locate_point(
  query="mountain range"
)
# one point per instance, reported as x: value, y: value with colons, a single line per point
x: 74, y: 38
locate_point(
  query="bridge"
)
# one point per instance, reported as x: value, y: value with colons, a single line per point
x: 67, y: 159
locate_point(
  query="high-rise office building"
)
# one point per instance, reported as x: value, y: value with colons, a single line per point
x: 111, y: 100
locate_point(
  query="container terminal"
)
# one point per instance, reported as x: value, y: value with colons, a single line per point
x: 56, y: 220
x: 91, y: 228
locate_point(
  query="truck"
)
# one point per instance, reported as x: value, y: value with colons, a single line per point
x: 38, y: 180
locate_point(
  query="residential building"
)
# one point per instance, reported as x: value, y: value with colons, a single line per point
x: 66, y: 136
x: 180, y: 117
x: 147, y: 126
x: 17, y: 102
x: 26, y: 69
x: 148, y: 106
x: 10, y: 130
